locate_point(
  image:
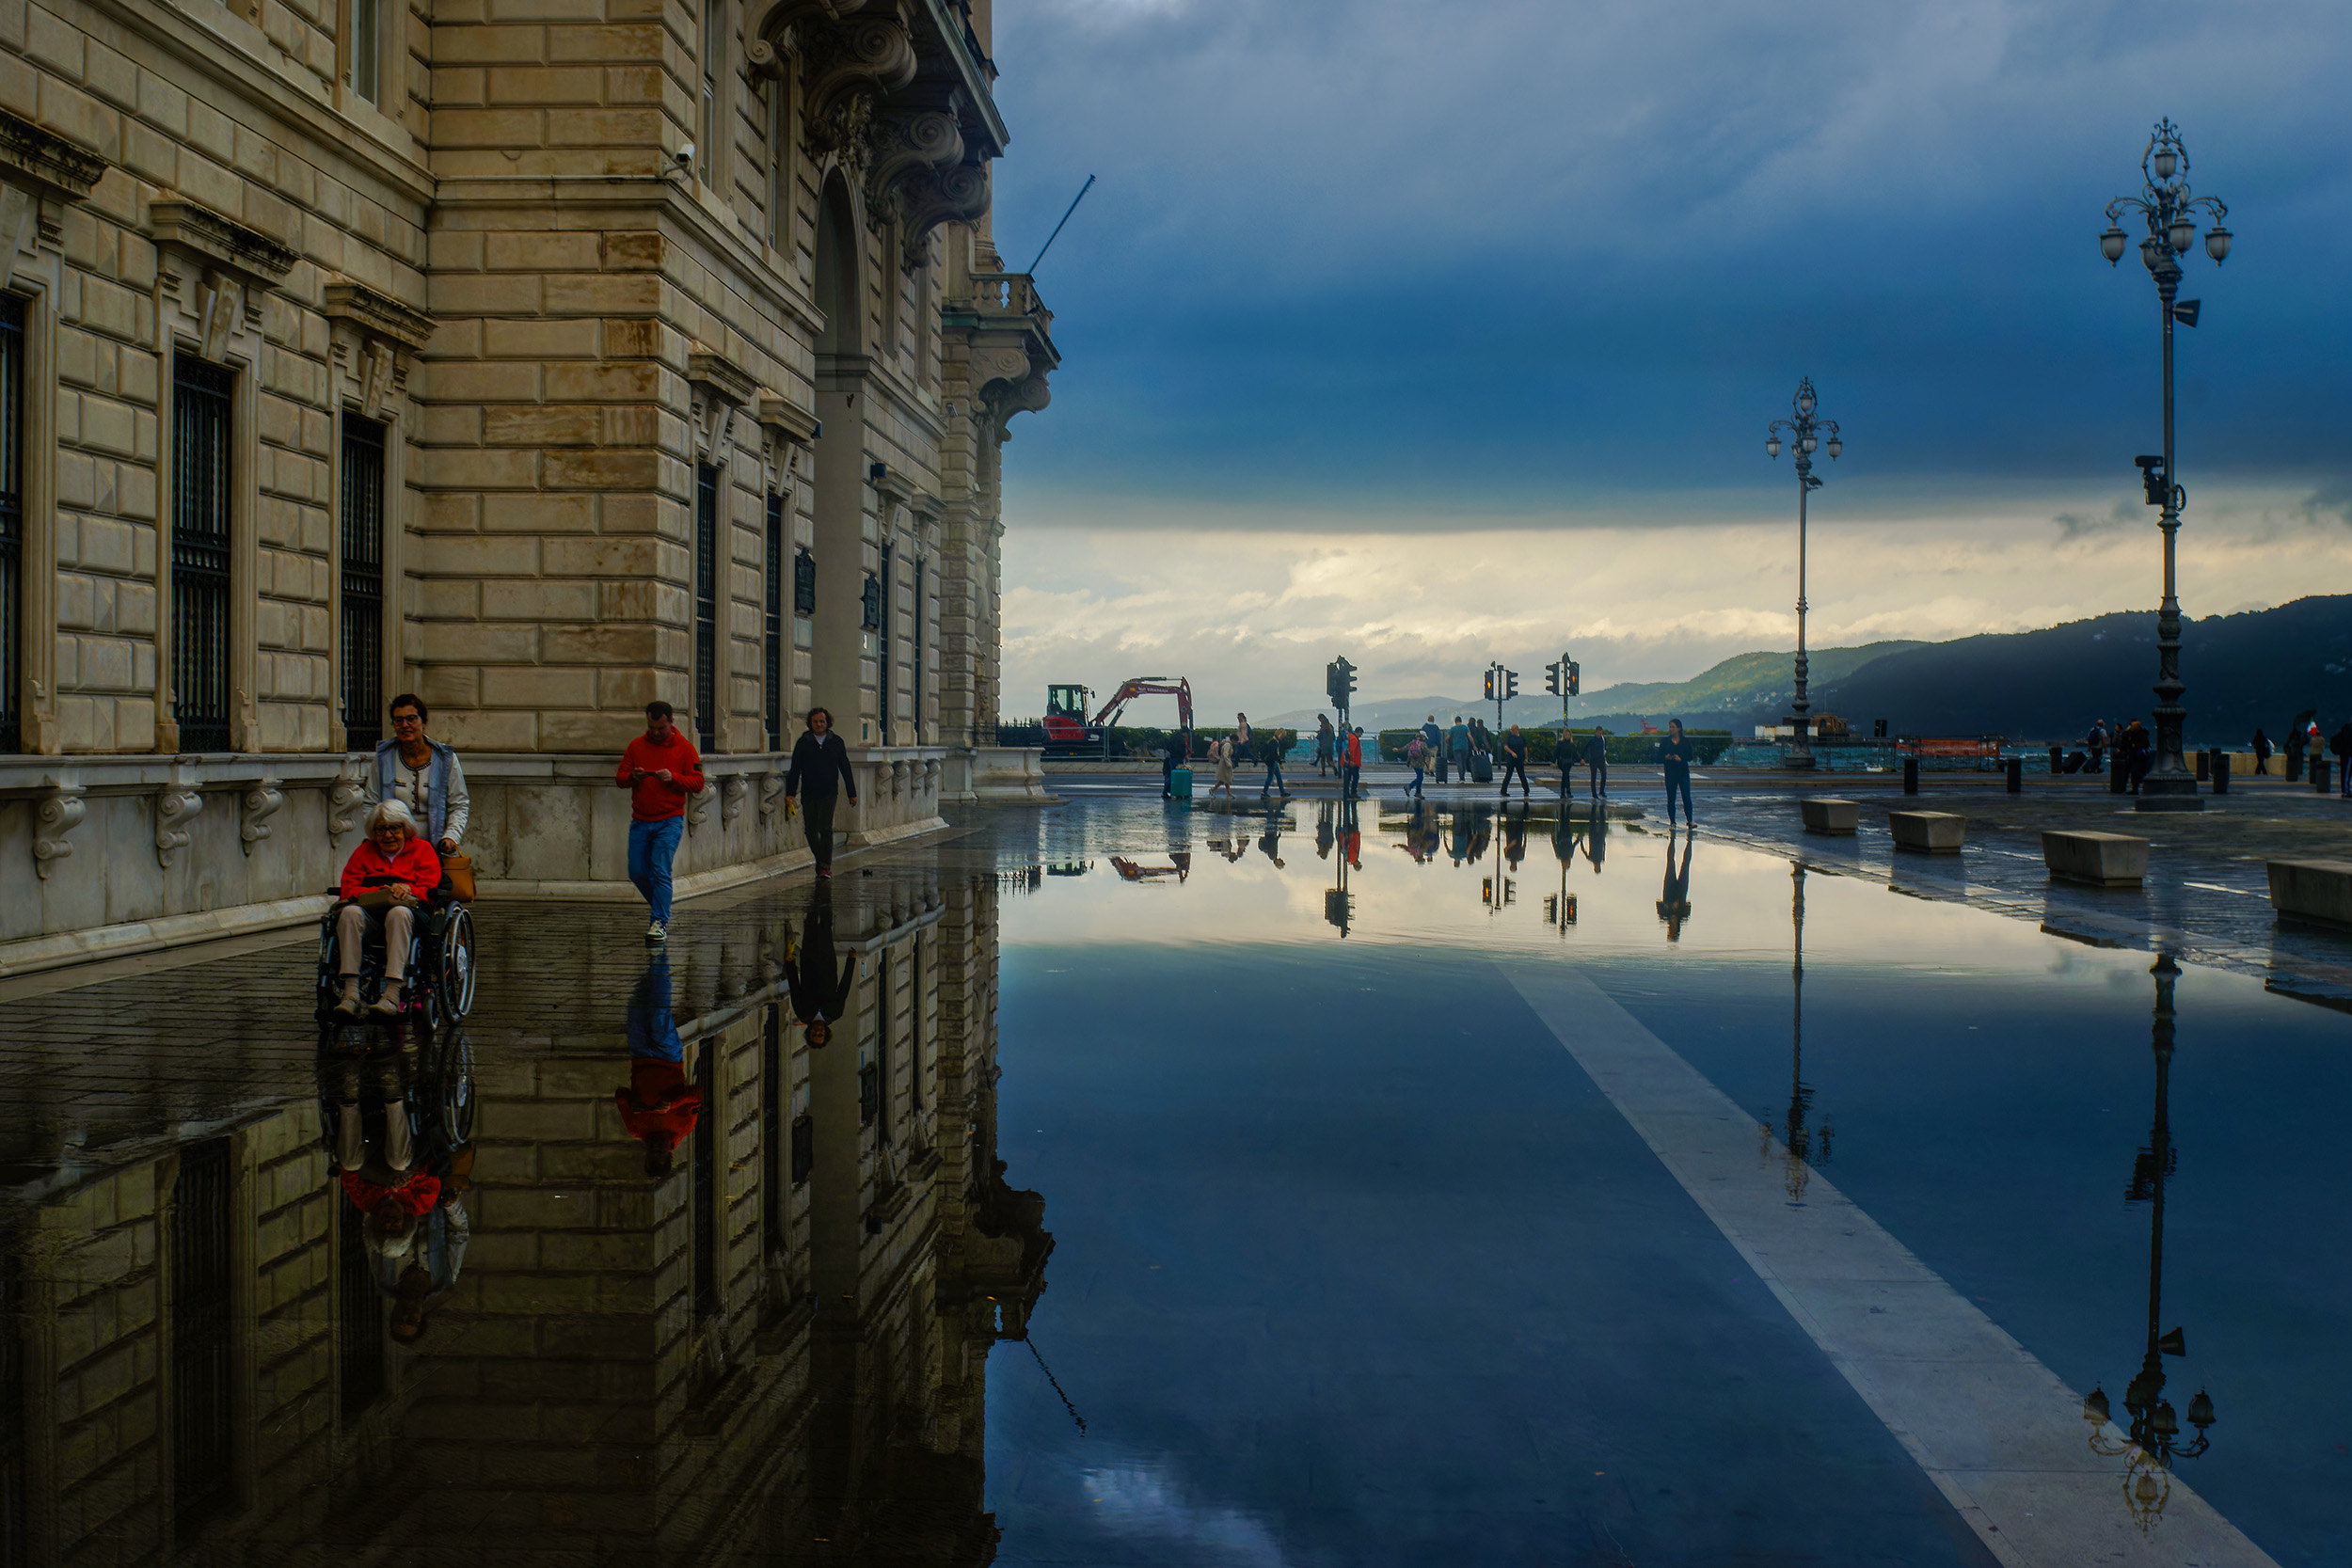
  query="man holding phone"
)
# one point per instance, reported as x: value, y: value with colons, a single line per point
x: 660, y: 769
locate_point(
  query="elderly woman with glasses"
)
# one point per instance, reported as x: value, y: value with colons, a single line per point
x: 423, y: 774
x: 396, y: 863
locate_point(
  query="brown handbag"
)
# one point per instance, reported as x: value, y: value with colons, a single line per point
x: 459, y: 870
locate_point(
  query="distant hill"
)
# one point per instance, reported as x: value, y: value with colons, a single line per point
x: 2261, y: 666
x: 1720, y: 696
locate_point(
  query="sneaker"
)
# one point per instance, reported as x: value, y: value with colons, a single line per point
x: 658, y: 931
x: 824, y: 873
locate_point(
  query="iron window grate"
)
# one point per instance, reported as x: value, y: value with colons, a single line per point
x: 362, y: 582
x: 200, y: 490
x: 11, y: 523
x: 706, y: 604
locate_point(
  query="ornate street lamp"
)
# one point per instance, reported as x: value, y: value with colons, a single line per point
x: 1804, y: 434
x: 2171, y: 213
x: 2153, y: 1437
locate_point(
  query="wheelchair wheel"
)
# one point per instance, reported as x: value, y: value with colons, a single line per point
x: 454, y: 1090
x: 455, y: 980
x: 327, y: 988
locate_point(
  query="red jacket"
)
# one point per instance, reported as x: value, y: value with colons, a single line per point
x: 414, y: 1198
x: 1355, y: 749
x: 416, y: 864
x: 659, y: 1107
x: 649, y: 798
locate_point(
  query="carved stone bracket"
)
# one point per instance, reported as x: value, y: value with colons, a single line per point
x: 59, y: 811
x: 732, y: 790
x: 389, y: 332
x: 697, y: 809
x: 897, y: 777
x: 721, y: 388
x: 789, y: 419
x: 176, y: 805
x: 770, y: 793
x: 344, y: 796
x: 932, y: 771
x: 262, y: 801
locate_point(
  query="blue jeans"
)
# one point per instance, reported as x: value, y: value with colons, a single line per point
x: 1414, y: 788
x: 1273, y: 778
x: 651, y: 846
x: 1678, y: 783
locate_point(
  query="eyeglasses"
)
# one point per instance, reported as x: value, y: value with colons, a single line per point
x: 408, y: 718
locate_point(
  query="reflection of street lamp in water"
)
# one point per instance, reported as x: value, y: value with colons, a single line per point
x: 2154, y: 1439
x: 1801, y: 1146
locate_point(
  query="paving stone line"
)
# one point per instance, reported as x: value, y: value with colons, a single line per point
x: 1998, y: 1432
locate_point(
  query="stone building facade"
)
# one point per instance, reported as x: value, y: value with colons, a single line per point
x: 541, y: 357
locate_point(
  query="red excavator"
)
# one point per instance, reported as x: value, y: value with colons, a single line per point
x: 1069, y: 733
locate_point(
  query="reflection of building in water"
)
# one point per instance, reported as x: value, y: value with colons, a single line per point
x: 775, y: 1352
x: 2154, y: 1436
x: 1801, y: 1145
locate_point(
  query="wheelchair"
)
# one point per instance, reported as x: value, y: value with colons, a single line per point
x: 439, y: 978
x: 435, y: 1090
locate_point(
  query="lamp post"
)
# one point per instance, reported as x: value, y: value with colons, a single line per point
x: 2154, y: 1439
x: 2171, y: 213
x: 1801, y: 1146
x: 1804, y: 434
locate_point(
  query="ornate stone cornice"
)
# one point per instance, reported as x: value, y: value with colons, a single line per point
x: 789, y: 418
x: 261, y: 261
x: 47, y: 159
x: 721, y: 389
x: 709, y: 367
x: 378, y: 314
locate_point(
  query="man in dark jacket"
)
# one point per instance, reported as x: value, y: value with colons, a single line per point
x: 1270, y: 744
x: 822, y: 990
x: 1514, y: 761
x: 1596, y: 758
x: 2341, y: 746
x: 819, y: 772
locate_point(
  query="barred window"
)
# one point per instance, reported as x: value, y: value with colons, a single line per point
x: 771, y: 621
x: 13, y: 631
x: 203, y: 1366
x: 706, y: 603
x: 362, y: 610
x: 201, y: 475
x: 887, y: 676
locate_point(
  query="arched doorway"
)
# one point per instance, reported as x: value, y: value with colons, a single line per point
x: 842, y: 664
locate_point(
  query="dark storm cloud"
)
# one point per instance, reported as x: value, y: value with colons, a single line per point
x: 1535, y: 255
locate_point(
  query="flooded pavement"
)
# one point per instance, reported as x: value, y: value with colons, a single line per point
x: 1134, y: 1184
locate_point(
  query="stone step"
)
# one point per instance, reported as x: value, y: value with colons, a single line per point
x: 2101, y: 860
x: 2312, y: 890
x: 1933, y: 833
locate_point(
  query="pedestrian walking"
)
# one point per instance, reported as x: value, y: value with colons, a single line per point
x: 1222, y: 750
x: 2132, y: 753
x: 1433, y: 749
x: 1514, y: 761
x: 1457, y: 748
x: 2261, y: 751
x: 1596, y: 759
x: 660, y: 769
x: 1677, y: 753
x: 2292, y: 745
x: 1326, y: 755
x: 1416, y: 752
x: 1241, y: 752
x: 1270, y: 753
x: 1352, y: 776
x: 820, y: 773
x: 2095, y: 743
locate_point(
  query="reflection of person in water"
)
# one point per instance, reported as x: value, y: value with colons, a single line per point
x: 1564, y: 837
x: 413, y: 1224
x: 1351, y: 838
x: 1674, y: 899
x: 1325, y: 838
x: 660, y: 1103
x: 821, y: 992
x: 1515, y: 840
x: 1270, y: 842
x: 1596, y: 841
x: 1481, y: 834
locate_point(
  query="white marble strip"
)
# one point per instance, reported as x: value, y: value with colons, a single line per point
x: 1995, y: 1428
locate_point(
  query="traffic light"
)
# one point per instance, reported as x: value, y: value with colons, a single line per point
x: 1552, y: 677
x: 1490, y: 683
x: 1339, y: 681
x: 1576, y: 678
x: 1510, y: 684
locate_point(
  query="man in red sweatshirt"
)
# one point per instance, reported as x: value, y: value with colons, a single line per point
x: 660, y: 769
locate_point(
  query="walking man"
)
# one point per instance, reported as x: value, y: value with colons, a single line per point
x: 1270, y: 753
x: 1433, y: 734
x: 1678, y: 753
x: 1458, y: 746
x: 2261, y: 751
x: 1596, y: 758
x: 820, y: 773
x: 2341, y: 746
x: 1514, y: 761
x: 660, y: 769
x: 1352, y: 776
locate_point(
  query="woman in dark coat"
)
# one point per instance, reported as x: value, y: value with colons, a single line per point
x: 819, y: 772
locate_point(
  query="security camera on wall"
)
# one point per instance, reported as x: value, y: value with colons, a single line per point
x: 685, y: 155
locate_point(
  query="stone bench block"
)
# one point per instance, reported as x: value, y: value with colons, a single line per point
x: 2102, y: 860
x: 1824, y: 815
x: 2312, y: 890
x: 1933, y: 833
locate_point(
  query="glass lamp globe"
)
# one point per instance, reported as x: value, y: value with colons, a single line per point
x: 2112, y: 243
x: 2183, y: 233
x: 1772, y: 446
x: 1836, y: 446
x: 2217, y: 244
x: 2167, y: 161
x: 1805, y: 403
x: 1811, y: 442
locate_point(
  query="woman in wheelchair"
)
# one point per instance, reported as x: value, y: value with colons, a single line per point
x: 385, y: 887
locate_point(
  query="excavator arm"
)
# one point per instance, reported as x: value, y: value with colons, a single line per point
x: 1144, y: 686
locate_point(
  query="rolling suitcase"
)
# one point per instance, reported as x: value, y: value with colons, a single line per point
x: 1482, y: 767
x: 1180, y: 783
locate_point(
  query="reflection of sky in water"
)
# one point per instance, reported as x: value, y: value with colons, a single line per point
x: 1358, y: 1159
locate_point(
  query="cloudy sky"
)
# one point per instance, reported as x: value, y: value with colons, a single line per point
x: 1431, y: 334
